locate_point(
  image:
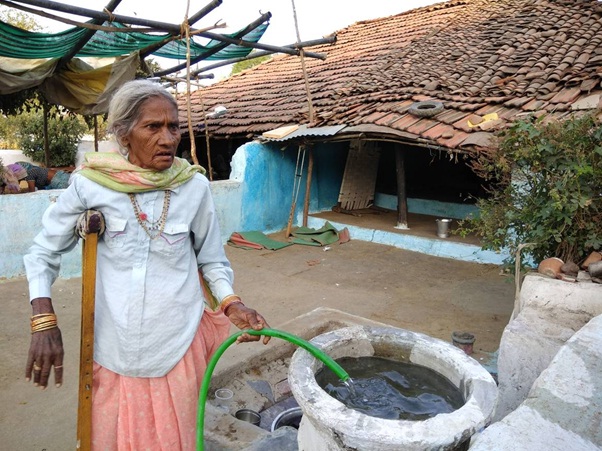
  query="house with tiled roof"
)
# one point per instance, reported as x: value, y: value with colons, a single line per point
x: 399, y: 105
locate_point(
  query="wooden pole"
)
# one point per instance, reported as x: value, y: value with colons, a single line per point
x: 326, y: 40
x: 46, y: 142
x: 95, y: 133
x: 310, y: 163
x: 85, y: 38
x: 310, y: 168
x: 86, y: 360
x: 402, y: 200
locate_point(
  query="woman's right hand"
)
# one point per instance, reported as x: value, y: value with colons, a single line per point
x: 45, y: 350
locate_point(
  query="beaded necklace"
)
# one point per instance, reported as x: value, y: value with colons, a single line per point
x: 153, y: 229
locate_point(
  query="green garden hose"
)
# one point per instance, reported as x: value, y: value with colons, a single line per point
x: 313, y: 350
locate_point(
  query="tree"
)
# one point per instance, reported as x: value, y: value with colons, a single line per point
x: 65, y: 128
x: 247, y: 64
x: 19, y: 19
x: 12, y: 103
x: 547, y: 189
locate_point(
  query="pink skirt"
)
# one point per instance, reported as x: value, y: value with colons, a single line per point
x: 158, y: 413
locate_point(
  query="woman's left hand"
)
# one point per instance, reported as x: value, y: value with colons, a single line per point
x: 244, y: 317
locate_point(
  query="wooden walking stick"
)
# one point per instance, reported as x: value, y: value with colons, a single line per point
x: 90, y: 227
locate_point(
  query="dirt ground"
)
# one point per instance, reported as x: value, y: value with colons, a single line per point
x: 405, y: 289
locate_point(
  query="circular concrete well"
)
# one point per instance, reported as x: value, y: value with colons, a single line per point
x: 327, y: 424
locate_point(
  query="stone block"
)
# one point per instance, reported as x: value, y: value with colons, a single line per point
x: 563, y: 408
x: 551, y: 311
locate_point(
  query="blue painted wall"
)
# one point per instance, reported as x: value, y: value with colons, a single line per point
x: 258, y: 196
x: 20, y: 221
x: 271, y: 172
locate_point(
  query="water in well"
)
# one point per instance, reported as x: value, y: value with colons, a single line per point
x: 389, y: 389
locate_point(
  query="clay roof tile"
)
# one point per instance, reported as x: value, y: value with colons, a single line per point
x: 475, y: 56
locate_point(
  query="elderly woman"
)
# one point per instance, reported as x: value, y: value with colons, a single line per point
x: 153, y: 332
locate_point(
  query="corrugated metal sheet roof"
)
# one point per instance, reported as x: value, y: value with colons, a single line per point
x: 305, y: 131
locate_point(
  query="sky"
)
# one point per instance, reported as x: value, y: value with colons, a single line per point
x: 315, y: 18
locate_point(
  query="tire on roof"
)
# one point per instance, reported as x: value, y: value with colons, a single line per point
x: 425, y: 109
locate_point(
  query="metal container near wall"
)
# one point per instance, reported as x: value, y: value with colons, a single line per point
x: 443, y: 227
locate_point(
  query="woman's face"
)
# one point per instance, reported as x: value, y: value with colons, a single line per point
x: 153, y: 140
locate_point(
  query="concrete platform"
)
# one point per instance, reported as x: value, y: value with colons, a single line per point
x: 563, y: 408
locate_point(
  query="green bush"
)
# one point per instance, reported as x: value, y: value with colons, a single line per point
x: 65, y: 130
x: 547, y: 189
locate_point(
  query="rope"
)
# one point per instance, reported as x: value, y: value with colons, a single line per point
x: 186, y: 29
x: 304, y: 70
x: 110, y: 14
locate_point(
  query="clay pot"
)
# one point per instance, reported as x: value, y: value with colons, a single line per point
x: 550, y: 267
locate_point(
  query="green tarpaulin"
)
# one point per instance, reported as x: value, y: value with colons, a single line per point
x: 86, y: 82
x: 22, y: 44
x: 323, y: 236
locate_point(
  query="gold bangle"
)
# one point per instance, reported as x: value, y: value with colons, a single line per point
x: 44, y: 319
x: 44, y: 324
x: 228, y: 301
x: 42, y: 314
x: 54, y: 326
x: 230, y: 297
x: 41, y: 324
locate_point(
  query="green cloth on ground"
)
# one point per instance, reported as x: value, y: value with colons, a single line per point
x: 324, y: 236
x: 255, y: 240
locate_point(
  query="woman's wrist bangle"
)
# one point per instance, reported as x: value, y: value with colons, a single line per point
x: 41, y: 329
x: 228, y: 301
x: 43, y: 321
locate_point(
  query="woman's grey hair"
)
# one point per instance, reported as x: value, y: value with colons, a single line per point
x: 124, y: 109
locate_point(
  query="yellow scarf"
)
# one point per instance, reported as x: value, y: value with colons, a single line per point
x: 113, y: 171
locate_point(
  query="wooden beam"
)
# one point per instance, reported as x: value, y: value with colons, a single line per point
x: 101, y: 15
x: 300, y: 45
x: 310, y: 168
x: 240, y: 34
x: 402, y: 199
x: 192, y: 20
x: 85, y: 38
